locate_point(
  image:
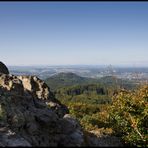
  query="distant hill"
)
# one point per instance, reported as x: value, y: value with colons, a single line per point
x: 69, y: 79
x: 117, y: 83
x: 66, y: 79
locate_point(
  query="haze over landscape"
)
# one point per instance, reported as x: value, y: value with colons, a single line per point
x: 74, y: 33
x: 73, y: 74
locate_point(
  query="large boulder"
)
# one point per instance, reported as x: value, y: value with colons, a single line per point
x: 31, y: 116
x: 3, y: 68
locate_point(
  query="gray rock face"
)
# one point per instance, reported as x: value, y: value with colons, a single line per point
x: 9, y: 138
x: 95, y: 139
x: 31, y: 116
x: 3, y: 68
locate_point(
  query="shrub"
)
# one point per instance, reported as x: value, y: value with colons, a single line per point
x: 129, y: 116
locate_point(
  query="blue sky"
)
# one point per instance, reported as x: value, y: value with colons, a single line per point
x: 61, y: 33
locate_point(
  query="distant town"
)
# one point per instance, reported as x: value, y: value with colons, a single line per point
x: 43, y: 72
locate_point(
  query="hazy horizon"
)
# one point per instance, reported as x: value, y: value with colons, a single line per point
x: 74, y: 33
x: 80, y: 65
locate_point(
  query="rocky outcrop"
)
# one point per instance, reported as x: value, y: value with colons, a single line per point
x: 96, y: 139
x: 3, y: 68
x: 31, y: 116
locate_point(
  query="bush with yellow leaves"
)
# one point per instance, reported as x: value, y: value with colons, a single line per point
x: 129, y: 116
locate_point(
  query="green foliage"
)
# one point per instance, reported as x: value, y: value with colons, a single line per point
x: 89, y: 100
x: 88, y: 103
x: 129, y: 116
x: 89, y: 94
x: 91, y: 116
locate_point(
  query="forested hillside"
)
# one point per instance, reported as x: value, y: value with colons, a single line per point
x: 109, y: 105
x: 61, y: 80
x: 66, y: 79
